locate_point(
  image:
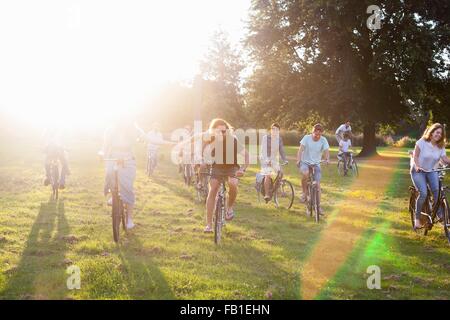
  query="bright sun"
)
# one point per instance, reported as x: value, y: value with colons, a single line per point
x: 82, y: 62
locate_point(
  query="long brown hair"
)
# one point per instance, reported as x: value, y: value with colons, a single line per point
x: 219, y: 122
x: 429, y: 132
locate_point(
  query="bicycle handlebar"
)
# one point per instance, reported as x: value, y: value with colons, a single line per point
x: 435, y: 170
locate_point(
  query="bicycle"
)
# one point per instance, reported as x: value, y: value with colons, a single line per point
x: 54, y: 178
x: 281, y: 190
x: 118, y: 212
x: 313, y: 195
x: 220, y: 210
x: 152, y: 160
x: 188, y: 173
x: 351, y: 165
x: 431, y: 207
x: 202, y: 185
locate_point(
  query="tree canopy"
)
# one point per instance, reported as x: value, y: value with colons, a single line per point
x: 321, y: 56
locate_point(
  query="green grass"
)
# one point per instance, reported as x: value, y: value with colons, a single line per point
x: 168, y: 257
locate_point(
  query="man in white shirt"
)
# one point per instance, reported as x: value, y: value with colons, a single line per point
x: 313, y: 148
x: 154, y: 140
x: 343, y: 128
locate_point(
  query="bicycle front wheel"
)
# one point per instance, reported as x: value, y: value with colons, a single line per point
x: 340, y: 168
x: 218, y: 217
x: 284, y: 195
x: 116, y: 217
x: 316, y: 204
x: 446, y: 219
x: 354, y: 169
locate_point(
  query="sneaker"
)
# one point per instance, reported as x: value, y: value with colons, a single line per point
x: 321, y: 211
x: 303, y: 198
x: 418, y: 224
x: 208, y: 229
x: 266, y: 199
x: 130, y: 224
x: 46, y: 181
x: 230, y: 215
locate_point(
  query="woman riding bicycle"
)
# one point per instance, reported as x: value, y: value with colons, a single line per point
x: 270, y: 159
x: 224, y: 165
x: 118, y: 144
x: 221, y: 148
x: 429, y: 151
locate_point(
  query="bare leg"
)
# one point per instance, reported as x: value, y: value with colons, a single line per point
x: 232, y: 193
x: 304, y: 177
x: 267, y: 186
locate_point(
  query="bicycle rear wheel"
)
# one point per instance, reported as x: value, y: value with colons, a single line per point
x: 116, y: 217
x: 284, y: 195
x: 340, y: 167
x: 446, y: 219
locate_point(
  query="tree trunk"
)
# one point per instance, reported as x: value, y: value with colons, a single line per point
x: 369, y: 141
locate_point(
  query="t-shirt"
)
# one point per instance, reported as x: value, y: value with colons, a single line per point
x: 343, y: 128
x: 429, y: 155
x: 225, y: 154
x: 154, y: 140
x: 313, y: 150
x: 345, y: 145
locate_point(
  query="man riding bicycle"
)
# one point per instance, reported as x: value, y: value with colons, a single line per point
x: 154, y: 140
x: 54, y: 150
x: 272, y: 149
x: 313, y: 148
x: 343, y: 128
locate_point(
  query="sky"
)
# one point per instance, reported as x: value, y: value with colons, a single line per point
x: 91, y: 59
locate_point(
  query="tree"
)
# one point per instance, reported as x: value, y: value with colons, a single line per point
x: 220, y: 81
x: 343, y: 69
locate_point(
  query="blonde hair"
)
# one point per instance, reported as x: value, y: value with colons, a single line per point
x: 429, y: 132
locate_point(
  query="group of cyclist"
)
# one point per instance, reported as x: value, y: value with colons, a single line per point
x: 313, y: 149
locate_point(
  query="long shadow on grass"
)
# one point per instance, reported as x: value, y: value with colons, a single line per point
x: 43, y: 256
x: 144, y: 280
x: 288, y: 234
x: 174, y: 188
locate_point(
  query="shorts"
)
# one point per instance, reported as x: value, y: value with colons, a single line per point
x: 218, y: 172
x: 317, y: 173
x: 268, y: 170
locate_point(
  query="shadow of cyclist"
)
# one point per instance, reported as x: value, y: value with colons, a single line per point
x: 42, y: 260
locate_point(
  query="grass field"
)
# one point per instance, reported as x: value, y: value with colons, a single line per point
x: 266, y: 253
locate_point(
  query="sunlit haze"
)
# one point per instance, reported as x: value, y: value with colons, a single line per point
x: 81, y: 62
